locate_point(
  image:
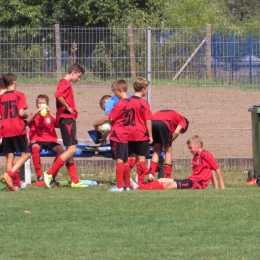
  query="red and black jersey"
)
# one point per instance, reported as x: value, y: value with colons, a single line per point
x: 121, y: 116
x: 10, y: 104
x: 42, y: 129
x: 202, y: 166
x: 65, y: 90
x: 170, y: 118
x: 141, y: 113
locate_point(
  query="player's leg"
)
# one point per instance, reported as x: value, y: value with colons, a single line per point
x: 37, y: 160
x: 58, y: 149
x: 168, y: 162
x: 157, y: 150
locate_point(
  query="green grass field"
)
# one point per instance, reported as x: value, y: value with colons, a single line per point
x: 66, y: 223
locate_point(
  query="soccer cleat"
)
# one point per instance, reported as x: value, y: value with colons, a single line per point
x: 39, y: 178
x: 40, y: 184
x: 47, y: 179
x: 134, y: 185
x: 115, y: 189
x: 78, y: 185
x: 54, y: 183
x: 150, y: 177
x: 127, y: 189
x: 251, y: 182
x: 8, y: 181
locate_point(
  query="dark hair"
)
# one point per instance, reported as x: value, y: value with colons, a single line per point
x: 183, y: 130
x: 105, y: 97
x: 77, y: 68
x: 2, y: 85
x: 8, y: 79
x: 43, y: 96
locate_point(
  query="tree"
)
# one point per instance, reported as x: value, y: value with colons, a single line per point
x: 193, y: 13
x: 15, y: 13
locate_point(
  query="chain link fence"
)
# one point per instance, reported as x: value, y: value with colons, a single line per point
x: 207, y: 65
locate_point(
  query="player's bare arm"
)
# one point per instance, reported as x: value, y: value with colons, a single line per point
x: 149, y: 129
x: 101, y: 121
x: 22, y: 114
x: 64, y: 103
x: 220, y: 178
x: 176, y: 132
x: 214, y: 180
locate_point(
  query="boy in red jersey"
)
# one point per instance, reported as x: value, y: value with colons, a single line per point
x: 166, y: 127
x: 42, y: 135
x: 203, y: 164
x: 140, y: 129
x: 66, y: 116
x: 12, y: 106
x: 120, y: 118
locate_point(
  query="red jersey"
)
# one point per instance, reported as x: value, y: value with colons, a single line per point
x: 141, y: 113
x: 171, y: 118
x: 121, y: 116
x: 42, y: 129
x: 10, y: 104
x: 202, y: 166
x: 65, y: 90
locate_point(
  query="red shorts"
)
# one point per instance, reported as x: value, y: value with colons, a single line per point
x: 188, y: 184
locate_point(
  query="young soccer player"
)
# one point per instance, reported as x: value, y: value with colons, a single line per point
x: 42, y: 135
x: 203, y: 164
x: 66, y: 116
x: 166, y: 127
x: 120, y: 118
x: 12, y: 106
x: 140, y: 129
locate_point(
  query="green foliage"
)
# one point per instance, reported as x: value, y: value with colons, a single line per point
x: 193, y: 13
x: 16, y: 13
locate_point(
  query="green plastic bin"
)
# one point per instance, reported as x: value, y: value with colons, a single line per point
x: 255, y: 118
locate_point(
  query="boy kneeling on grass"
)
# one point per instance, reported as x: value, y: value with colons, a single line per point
x: 202, y: 165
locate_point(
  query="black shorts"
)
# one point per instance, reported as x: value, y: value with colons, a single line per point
x: 141, y: 148
x: 188, y: 184
x: 45, y: 145
x: 68, y: 131
x: 119, y: 150
x: 161, y: 133
x: 15, y: 144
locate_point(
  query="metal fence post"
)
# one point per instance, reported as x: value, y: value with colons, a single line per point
x: 250, y: 57
x: 149, y: 62
x: 208, y: 51
x: 58, y: 50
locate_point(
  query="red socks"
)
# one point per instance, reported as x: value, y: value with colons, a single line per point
x: 72, y: 172
x: 131, y: 162
x: 120, y: 168
x: 141, y: 170
x: 16, y: 178
x: 37, y: 160
x: 153, y: 168
x: 55, y: 166
x: 167, y: 171
x: 154, y: 185
x: 126, y: 176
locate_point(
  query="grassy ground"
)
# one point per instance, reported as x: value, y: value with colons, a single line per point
x: 66, y: 223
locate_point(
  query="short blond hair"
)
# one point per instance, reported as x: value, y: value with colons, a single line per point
x: 119, y: 83
x: 140, y: 83
x: 195, y: 139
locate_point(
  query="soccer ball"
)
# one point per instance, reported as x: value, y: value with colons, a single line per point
x: 104, y: 128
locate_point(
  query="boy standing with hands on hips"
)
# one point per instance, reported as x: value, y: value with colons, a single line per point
x: 66, y: 116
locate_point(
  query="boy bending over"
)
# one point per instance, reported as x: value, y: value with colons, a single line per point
x: 202, y: 165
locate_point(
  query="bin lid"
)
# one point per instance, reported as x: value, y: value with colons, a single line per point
x: 254, y: 109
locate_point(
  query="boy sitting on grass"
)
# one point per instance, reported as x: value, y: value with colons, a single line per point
x: 202, y: 165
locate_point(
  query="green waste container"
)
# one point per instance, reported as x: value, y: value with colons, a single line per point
x: 255, y: 117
